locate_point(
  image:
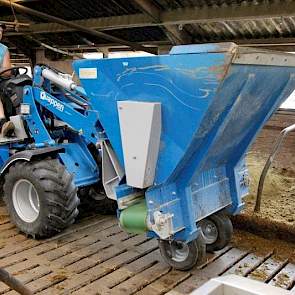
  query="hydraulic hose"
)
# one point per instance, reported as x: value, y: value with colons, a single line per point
x: 13, y: 283
x: 268, y: 163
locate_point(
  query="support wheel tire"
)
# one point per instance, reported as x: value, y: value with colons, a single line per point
x: 217, y: 231
x: 183, y: 256
x: 41, y: 197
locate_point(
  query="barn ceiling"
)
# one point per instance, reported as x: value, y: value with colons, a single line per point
x: 151, y: 23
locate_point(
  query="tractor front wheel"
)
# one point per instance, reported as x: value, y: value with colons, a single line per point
x: 181, y: 255
x: 41, y: 197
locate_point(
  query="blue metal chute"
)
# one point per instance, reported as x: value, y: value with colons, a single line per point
x: 245, y: 100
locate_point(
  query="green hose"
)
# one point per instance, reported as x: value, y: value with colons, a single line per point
x: 134, y: 218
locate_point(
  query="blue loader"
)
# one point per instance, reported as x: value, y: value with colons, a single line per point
x: 161, y: 137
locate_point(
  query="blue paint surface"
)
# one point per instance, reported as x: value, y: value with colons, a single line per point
x: 184, y: 84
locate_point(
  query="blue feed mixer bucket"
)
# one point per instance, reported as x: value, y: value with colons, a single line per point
x: 214, y: 99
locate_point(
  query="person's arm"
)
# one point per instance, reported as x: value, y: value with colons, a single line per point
x: 6, y: 64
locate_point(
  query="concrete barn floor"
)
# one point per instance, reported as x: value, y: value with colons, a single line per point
x: 94, y: 256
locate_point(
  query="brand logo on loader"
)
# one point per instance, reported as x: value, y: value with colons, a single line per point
x: 56, y: 104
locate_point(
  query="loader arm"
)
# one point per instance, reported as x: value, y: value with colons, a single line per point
x: 69, y: 105
x: 85, y: 122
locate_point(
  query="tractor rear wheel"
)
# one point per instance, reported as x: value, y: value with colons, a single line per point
x: 41, y: 197
x: 181, y: 255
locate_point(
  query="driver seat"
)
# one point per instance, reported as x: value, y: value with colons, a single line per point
x: 11, y: 94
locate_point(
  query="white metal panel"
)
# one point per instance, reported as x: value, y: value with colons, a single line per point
x: 140, y: 125
x: 111, y: 171
x: 236, y: 285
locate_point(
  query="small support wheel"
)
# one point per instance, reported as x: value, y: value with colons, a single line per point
x: 217, y: 231
x: 181, y: 255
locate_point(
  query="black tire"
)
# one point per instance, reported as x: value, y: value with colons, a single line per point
x: 89, y: 205
x: 224, y: 228
x: 56, y: 193
x: 108, y: 206
x: 196, y: 254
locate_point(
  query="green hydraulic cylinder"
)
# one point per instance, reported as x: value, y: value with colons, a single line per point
x: 134, y: 218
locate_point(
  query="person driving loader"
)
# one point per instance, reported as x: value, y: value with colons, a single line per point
x: 6, y: 127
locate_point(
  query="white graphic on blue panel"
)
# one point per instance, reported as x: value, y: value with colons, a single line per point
x: 56, y: 104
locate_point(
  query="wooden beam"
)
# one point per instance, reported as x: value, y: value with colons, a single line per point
x: 148, y: 7
x: 103, y: 24
x: 72, y: 25
x: 24, y: 1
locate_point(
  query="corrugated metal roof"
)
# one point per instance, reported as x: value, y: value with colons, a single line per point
x: 274, y: 27
x: 174, y: 4
x: 260, y: 28
x: 246, y: 29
